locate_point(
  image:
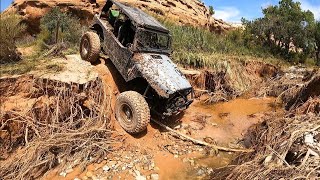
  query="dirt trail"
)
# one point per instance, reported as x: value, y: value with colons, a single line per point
x: 222, y: 123
x: 156, y: 153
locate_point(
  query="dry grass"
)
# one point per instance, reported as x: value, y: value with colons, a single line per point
x: 67, y: 124
x: 282, y: 148
x: 280, y: 151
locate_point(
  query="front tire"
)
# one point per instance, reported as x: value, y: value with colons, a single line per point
x: 90, y: 47
x: 132, y: 112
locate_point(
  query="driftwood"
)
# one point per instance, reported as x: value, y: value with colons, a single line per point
x: 55, y: 49
x: 70, y: 126
x: 195, y: 141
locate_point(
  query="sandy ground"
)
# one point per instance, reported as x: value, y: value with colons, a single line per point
x: 75, y: 70
x: 156, y: 153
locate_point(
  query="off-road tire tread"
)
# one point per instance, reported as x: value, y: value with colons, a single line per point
x: 95, y: 46
x: 142, y: 109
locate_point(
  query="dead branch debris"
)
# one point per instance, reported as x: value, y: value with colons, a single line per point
x: 57, y: 130
x: 285, y: 147
x: 55, y: 50
x: 195, y: 141
x: 215, y: 85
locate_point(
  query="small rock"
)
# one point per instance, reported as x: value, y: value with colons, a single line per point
x: 116, y: 166
x: 268, y: 159
x: 76, y: 179
x: 200, y: 172
x: 185, y: 160
x: 60, y: 160
x: 89, y: 174
x: 130, y: 165
x: 63, y: 174
x: 191, y: 162
x: 176, y: 156
x: 123, y: 168
x: 94, y: 178
x: 112, y: 163
x: 154, y: 176
x: 69, y: 170
x: 308, y: 139
x: 146, y: 167
x: 214, y: 124
x: 139, y: 176
x: 106, y: 168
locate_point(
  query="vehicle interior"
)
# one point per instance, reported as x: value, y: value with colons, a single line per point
x: 121, y: 25
x: 125, y: 31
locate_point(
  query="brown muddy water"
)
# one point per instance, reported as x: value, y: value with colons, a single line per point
x: 227, y: 121
x: 226, y: 124
x: 223, y: 123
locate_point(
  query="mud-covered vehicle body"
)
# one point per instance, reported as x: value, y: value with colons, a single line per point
x: 139, y: 47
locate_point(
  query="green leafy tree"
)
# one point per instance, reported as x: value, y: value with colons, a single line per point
x: 285, y: 29
x: 10, y: 29
x: 58, y: 26
x: 211, y: 10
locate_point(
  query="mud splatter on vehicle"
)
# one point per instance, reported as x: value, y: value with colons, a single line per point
x: 139, y: 47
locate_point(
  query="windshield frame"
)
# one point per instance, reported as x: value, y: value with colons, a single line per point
x: 140, y: 32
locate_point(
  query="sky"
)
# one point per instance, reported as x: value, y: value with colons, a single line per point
x: 4, y: 4
x: 234, y: 10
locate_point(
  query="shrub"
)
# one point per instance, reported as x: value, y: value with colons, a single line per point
x: 10, y: 30
x: 60, y: 27
x: 200, y: 48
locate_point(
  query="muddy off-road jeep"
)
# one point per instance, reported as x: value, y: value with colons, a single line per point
x: 139, y: 48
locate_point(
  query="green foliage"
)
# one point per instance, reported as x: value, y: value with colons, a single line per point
x: 200, y: 48
x: 10, y: 30
x: 285, y: 30
x: 57, y: 26
x: 317, y: 42
x: 211, y: 10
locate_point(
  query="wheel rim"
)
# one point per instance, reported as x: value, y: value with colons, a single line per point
x: 85, y: 47
x: 126, y: 114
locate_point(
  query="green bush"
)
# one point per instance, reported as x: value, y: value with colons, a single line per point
x: 10, y: 30
x: 198, y: 47
x: 59, y: 27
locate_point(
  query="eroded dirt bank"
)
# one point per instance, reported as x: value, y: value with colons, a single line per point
x: 77, y: 139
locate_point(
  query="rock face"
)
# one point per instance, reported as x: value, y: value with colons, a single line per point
x: 33, y: 10
x: 186, y: 12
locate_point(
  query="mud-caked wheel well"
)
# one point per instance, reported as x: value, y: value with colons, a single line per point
x: 98, y: 29
x: 138, y: 84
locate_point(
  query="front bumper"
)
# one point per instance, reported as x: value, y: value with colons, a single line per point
x: 178, y: 102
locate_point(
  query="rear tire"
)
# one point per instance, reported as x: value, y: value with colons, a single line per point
x: 132, y: 112
x: 90, y: 47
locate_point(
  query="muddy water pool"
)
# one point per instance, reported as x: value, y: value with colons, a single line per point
x: 225, y: 124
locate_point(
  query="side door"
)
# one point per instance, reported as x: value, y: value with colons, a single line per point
x: 119, y: 55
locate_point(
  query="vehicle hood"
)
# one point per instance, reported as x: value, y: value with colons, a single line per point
x: 161, y: 73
